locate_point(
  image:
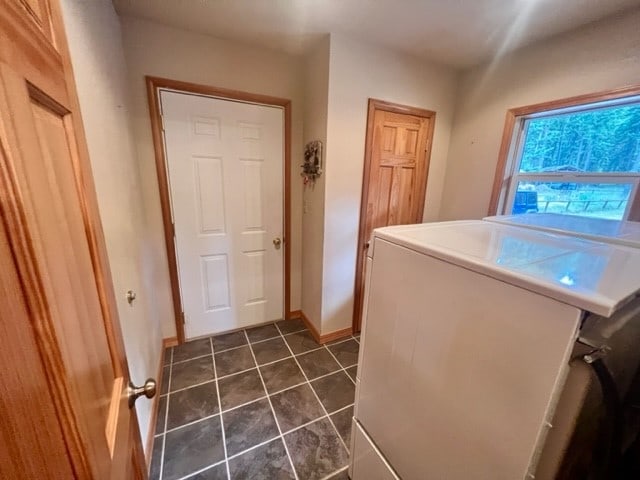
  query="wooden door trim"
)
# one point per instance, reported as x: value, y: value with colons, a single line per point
x: 154, y: 85
x: 511, y: 117
x: 374, y: 105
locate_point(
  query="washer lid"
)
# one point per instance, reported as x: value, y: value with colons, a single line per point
x: 599, y: 229
x: 592, y: 276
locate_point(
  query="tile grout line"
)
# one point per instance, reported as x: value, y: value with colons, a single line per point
x: 341, y: 409
x: 339, y: 341
x: 257, y: 365
x: 315, y: 420
x: 279, y: 436
x: 190, y: 386
x: 192, y: 474
x: 264, y: 339
x: 319, y: 401
x: 328, y: 477
x: 263, y: 365
x: 256, y: 446
x: 285, y: 389
x: 255, y: 400
x: 244, y: 404
x: 166, y: 416
x: 311, y: 379
x: 273, y: 412
x: 279, y: 335
x: 341, y: 367
x: 224, y: 439
x: 222, y: 377
x: 316, y: 395
x: 304, y: 328
x: 189, y: 359
x: 268, y: 395
x: 352, y: 380
x: 193, y: 422
x: 306, y: 351
x: 227, y: 349
x: 230, y: 374
x: 260, y: 365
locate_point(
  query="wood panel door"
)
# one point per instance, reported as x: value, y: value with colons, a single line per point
x: 397, y: 152
x: 225, y: 168
x: 54, y: 262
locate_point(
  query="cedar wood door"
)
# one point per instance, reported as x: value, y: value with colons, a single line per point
x: 64, y: 375
x: 397, y: 155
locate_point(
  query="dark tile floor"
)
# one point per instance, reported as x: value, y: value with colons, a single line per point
x: 265, y: 403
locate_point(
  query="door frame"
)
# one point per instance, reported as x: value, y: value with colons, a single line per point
x: 154, y: 85
x: 373, y: 106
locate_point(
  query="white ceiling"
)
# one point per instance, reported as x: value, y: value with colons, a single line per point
x: 459, y: 33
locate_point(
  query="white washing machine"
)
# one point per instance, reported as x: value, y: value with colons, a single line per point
x: 468, y: 331
x: 581, y: 405
x: 598, y: 229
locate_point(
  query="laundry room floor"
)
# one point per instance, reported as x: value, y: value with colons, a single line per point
x: 267, y: 403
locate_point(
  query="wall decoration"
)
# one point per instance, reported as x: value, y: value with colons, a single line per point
x: 312, y: 166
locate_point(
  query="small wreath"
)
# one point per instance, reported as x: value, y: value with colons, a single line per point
x: 312, y: 166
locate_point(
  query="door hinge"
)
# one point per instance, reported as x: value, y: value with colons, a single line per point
x: 173, y: 229
x: 162, y: 122
x: 184, y: 321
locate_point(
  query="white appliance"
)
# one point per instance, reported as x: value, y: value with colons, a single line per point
x: 468, y: 330
x: 581, y: 402
x: 599, y: 229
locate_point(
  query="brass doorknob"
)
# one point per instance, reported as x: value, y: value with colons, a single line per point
x: 277, y: 242
x: 148, y: 390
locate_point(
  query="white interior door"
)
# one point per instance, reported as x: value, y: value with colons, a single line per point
x: 225, y: 162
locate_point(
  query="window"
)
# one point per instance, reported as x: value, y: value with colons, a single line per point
x: 572, y: 157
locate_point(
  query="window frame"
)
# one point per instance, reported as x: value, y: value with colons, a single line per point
x: 507, y: 173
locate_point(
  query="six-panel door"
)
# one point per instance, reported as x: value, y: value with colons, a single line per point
x: 225, y: 168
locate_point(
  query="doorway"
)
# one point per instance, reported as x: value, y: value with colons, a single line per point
x: 223, y: 171
x: 396, y: 166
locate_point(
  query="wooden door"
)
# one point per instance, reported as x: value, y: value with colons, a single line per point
x: 63, y: 353
x: 397, y: 152
x: 225, y: 166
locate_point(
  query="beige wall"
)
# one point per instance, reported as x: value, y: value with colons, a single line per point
x: 329, y: 90
x: 603, y: 56
x: 98, y: 61
x: 358, y: 72
x: 316, y: 92
x: 154, y: 49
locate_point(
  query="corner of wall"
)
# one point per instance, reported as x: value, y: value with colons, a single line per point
x: 359, y: 71
x: 313, y: 196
